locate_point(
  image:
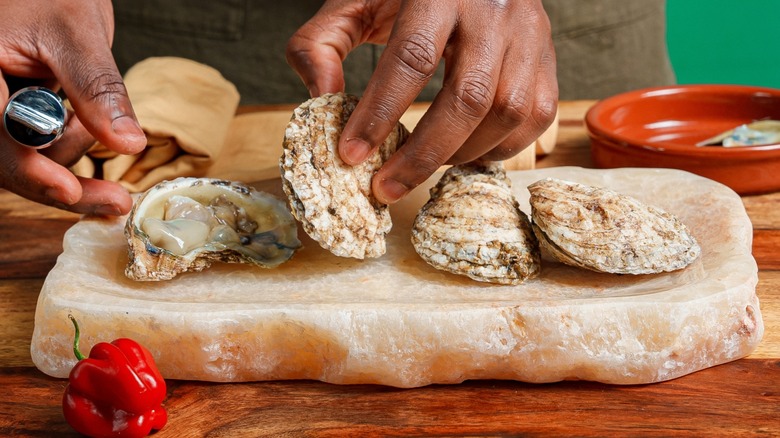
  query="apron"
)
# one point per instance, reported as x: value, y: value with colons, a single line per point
x: 603, y: 47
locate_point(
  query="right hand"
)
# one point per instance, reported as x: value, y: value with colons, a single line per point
x: 67, y: 44
x: 500, y: 90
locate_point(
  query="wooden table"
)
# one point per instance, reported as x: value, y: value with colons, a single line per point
x: 741, y: 398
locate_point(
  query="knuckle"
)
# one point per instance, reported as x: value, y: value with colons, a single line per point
x: 378, y: 119
x: 424, y: 162
x: 106, y: 82
x: 292, y: 51
x: 545, y: 111
x: 101, y: 83
x: 417, y: 55
x: 298, y: 46
x: 386, y: 112
x: 473, y: 95
x: 513, y: 109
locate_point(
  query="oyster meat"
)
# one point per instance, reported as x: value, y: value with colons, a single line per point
x: 604, y: 231
x: 472, y: 225
x: 333, y: 200
x: 188, y: 223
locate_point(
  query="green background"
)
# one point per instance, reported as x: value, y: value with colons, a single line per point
x: 725, y: 41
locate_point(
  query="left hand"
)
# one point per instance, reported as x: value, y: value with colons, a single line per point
x: 499, y: 94
x: 67, y: 44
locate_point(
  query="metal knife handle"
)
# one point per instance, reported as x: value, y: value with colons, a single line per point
x: 35, y: 117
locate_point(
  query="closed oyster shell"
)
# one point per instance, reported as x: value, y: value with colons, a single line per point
x: 472, y: 225
x: 188, y: 223
x: 604, y: 231
x: 333, y: 200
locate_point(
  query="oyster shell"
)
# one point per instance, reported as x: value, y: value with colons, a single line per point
x: 473, y: 226
x: 604, y: 231
x: 761, y: 132
x: 188, y: 223
x: 333, y: 200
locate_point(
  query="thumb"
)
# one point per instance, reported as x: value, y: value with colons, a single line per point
x: 99, y: 98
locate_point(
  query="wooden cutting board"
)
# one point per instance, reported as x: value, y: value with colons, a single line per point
x: 396, y: 321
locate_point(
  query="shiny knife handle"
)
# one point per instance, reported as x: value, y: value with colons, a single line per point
x: 35, y: 117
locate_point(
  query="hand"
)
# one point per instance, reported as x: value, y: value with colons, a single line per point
x: 66, y: 43
x: 499, y: 94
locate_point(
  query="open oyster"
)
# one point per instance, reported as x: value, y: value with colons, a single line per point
x: 332, y: 199
x: 189, y: 223
x: 473, y: 226
x: 604, y: 231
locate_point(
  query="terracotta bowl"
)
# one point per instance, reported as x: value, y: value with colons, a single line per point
x: 659, y: 127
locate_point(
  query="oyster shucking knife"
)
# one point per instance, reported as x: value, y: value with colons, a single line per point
x: 35, y: 117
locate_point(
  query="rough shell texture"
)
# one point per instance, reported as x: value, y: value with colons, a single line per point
x: 271, y: 240
x: 333, y: 200
x: 604, y: 231
x: 473, y: 226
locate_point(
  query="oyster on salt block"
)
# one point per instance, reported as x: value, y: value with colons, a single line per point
x: 472, y: 225
x: 602, y: 230
x: 395, y: 321
x: 186, y: 224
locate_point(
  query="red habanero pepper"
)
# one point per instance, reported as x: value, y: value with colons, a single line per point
x: 116, y: 392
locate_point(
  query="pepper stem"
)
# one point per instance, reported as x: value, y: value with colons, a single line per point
x: 76, y: 351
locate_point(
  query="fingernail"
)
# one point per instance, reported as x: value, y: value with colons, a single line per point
x: 314, y: 91
x: 392, y: 190
x: 107, y: 210
x: 356, y: 150
x: 61, y: 196
x: 127, y: 127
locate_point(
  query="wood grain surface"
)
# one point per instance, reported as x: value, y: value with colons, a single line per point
x: 741, y: 398
x: 694, y: 406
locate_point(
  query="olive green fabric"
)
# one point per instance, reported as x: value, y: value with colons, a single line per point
x: 603, y: 46
x: 606, y: 47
